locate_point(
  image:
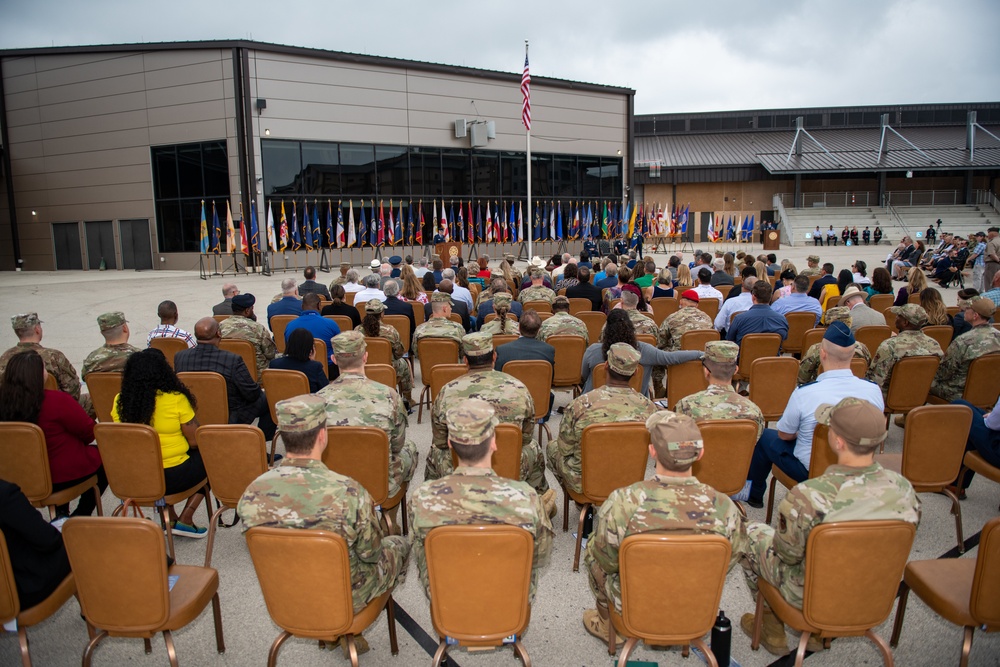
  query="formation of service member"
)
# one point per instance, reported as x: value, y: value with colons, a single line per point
x: 687, y: 318
x: 474, y: 494
x: 439, y: 326
x: 562, y: 323
x: 982, y: 338
x: 501, y: 325
x: 643, y: 324
x: 374, y: 310
x: 111, y: 356
x: 909, y: 342
x: 355, y: 400
x: 672, y: 501
x: 510, y: 399
x: 244, y: 325
x: 720, y: 400
x: 813, y: 266
x: 856, y: 488
x: 28, y: 329
x: 301, y: 492
x: 537, y: 291
x: 616, y: 401
x: 809, y: 365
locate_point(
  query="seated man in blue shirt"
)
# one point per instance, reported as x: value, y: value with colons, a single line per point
x: 288, y: 304
x: 790, y: 445
x: 799, y: 300
x: 760, y: 318
x: 320, y: 327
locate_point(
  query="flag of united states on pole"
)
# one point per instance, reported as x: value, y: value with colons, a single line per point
x: 526, y: 92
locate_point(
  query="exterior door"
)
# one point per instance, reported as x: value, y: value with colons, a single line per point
x: 66, y: 239
x: 100, y: 244
x: 137, y: 253
x: 706, y: 220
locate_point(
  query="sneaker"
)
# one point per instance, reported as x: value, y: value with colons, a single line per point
x: 185, y: 530
x: 744, y: 494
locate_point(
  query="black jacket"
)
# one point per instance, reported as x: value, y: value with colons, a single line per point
x: 396, y: 306
x: 37, y: 555
x: 820, y: 283
x: 585, y: 291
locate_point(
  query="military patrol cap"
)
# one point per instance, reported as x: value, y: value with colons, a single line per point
x: 374, y: 306
x: 983, y: 306
x: 813, y: 258
x: 395, y: 260
x: 24, y: 321
x: 839, y: 314
x: 110, y: 320
x: 349, y: 343
x: 722, y: 351
x: 839, y: 334
x: 440, y: 296
x: 510, y: 259
x: 477, y: 344
x: 345, y: 265
x: 244, y: 301
x: 912, y: 313
x: 855, y: 420
x: 501, y: 299
x: 471, y: 422
x: 623, y: 358
x: 675, y: 435
x: 691, y: 295
x: 562, y: 301
x: 300, y: 414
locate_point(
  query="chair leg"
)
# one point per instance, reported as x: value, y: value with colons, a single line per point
x: 758, y: 620
x: 168, y: 639
x: 956, y: 509
x: 22, y: 638
x: 565, y: 510
x: 966, y: 646
x: 426, y: 391
x: 800, y: 654
x: 740, y: 507
x: 88, y: 653
x: 897, y: 626
x: 208, y: 501
x: 220, y: 642
x: 272, y: 655
x: 211, y: 535
x: 165, y: 523
x: 439, y: 654
x: 522, y: 653
x: 405, y: 522
x: 579, y: 538
x: 97, y: 497
x: 770, y: 499
x: 627, y: 650
x: 147, y: 645
x: 352, y: 650
x: 883, y: 648
x: 390, y: 617
x: 706, y: 651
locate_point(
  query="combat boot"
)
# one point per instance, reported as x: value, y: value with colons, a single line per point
x: 596, y: 624
x: 772, y: 632
x: 360, y: 645
x: 549, y: 502
x: 391, y: 516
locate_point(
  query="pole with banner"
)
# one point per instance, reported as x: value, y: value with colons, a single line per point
x: 526, y: 120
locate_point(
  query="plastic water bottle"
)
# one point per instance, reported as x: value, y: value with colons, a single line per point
x: 722, y: 639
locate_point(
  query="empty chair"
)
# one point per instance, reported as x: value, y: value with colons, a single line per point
x: 728, y: 448
x: 880, y: 302
x: 756, y: 346
x: 942, y: 333
x: 536, y: 375
x: 433, y: 351
x: 280, y: 385
x: 594, y: 319
x: 579, y: 305
x: 567, y: 371
x: 872, y: 336
x: 418, y: 313
x: 798, y: 324
x: 537, y: 306
x: 379, y: 350
x: 210, y: 394
x: 813, y: 336
x: 169, y: 347
x: 382, y: 373
x: 103, y: 387
x: 696, y: 340
x: 278, y: 324
x: 362, y: 453
x: 343, y: 322
x: 683, y: 380
x: 600, y: 374
x: 246, y: 350
x: 772, y: 381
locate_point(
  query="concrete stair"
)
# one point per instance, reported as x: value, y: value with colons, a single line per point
x: 960, y: 219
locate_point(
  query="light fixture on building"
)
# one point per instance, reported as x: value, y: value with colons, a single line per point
x: 909, y: 174
x: 267, y: 132
x: 34, y: 212
x: 261, y: 104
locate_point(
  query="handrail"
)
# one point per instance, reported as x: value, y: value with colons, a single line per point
x: 895, y: 217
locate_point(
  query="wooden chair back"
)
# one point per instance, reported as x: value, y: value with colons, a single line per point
x: 594, y: 319
x: 103, y: 388
x: 942, y: 333
x: 798, y: 325
x: 280, y: 385
x: 663, y: 307
x: 503, y: 339
x: 434, y: 351
x: 934, y: 444
x: 953, y: 310
x: 506, y: 460
x: 683, y: 380
x: 278, y: 325
x: 51, y: 383
x: 343, y: 322
x: 379, y: 350
x: 419, y: 317
x: 612, y: 456
x: 728, y: 448
x: 579, y: 305
x: 985, y: 598
x: 569, y: 360
x: 246, y: 350
x: 24, y: 460
x: 536, y: 375
x: 772, y: 381
x: 756, y: 346
x: 910, y: 383
x: 649, y: 339
x: 234, y: 456
x: 133, y: 461
x: 168, y: 346
x: 320, y: 353
x: 811, y: 337
x: 401, y: 323
x: 879, y: 302
x: 349, y: 298
x: 872, y: 336
x: 210, y: 394
x: 537, y: 306
x: 981, y: 385
x: 382, y: 373
x: 726, y: 289
x: 360, y: 307
x: 600, y: 373
x: 455, y: 317
x: 709, y: 306
x: 442, y: 374
x: 221, y: 318
x: 361, y: 453
x: 913, y: 298
x: 890, y: 321
x: 696, y: 339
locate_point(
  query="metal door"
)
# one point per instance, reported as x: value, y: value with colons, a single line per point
x: 100, y: 244
x: 137, y: 253
x: 66, y: 239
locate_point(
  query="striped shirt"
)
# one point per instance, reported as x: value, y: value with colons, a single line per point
x: 170, y: 331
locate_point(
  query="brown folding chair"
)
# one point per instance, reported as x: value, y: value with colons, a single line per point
x: 811, y: 337
x: 975, y: 462
x: 567, y: 371
x: 234, y: 456
x: 455, y: 317
x: 536, y: 375
x: 837, y: 606
x: 537, y: 306
x: 349, y: 298
x: 649, y: 339
x: 503, y: 339
x: 579, y: 305
x: 122, y: 576
x: 221, y: 318
x: 362, y: 453
x: 379, y: 350
x: 418, y: 313
x: 933, y: 447
x: 859, y: 367
x: 401, y: 323
x: 278, y: 324
x: 726, y: 289
x: 942, y: 333
x: 280, y: 385
x: 611, y: 456
x: 683, y: 380
x: 890, y: 320
x: 319, y: 352
x: 772, y: 381
x: 798, y: 325
x: 433, y: 351
x: 697, y: 339
x: 732, y: 316
x: 600, y: 373
x: 913, y: 298
x: 728, y: 448
x: 671, y: 586
x: 442, y: 374
x: 498, y: 558
x: 709, y: 306
x: 872, y: 336
x: 24, y: 460
x: 169, y: 347
x: 10, y: 603
x: 594, y: 319
x: 909, y: 385
x: 960, y: 590
x: 981, y: 386
x: 382, y: 373
x: 210, y: 394
x: 663, y: 307
x: 360, y: 307
x: 133, y: 462
x: 820, y: 458
x: 246, y: 350
x: 343, y: 322
x: 880, y: 302
x: 51, y: 383
x: 103, y: 387
x: 506, y: 460
x: 756, y: 346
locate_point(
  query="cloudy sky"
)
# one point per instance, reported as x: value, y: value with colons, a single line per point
x: 678, y: 56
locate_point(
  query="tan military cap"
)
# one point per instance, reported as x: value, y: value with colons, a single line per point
x: 912, y: 313
x: 623, y: 359
x: 110, y: 320
x: 722, y: 351
x: 24, y: 321
x: 374, y: 306
x: 302, y: 413
x: 855, y: 420
x: 501, y: 300
x: 441, y: 296
x: 676, y: 435
x: 813, y: 258
x: 838, y: 314
x: 476, y: 344
x: 349, y: 343
x: 983, y: 306
x: 471, y: 422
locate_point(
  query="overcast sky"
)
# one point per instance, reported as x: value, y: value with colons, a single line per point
x: 679, y: 56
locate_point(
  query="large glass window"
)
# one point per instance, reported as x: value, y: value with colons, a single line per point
x: 320, y: 169
x: 358, y: 169
x: 485, y: 173
x: 393, y: 171
x: 455, y: 176
x: 282, y: 166
x: 184, y: 175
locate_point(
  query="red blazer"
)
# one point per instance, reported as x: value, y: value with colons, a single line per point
x: 68, y: 431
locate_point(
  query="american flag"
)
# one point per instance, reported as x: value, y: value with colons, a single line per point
x: 526, y: 92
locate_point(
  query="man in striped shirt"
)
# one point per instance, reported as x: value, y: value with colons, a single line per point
x: 167, y: 312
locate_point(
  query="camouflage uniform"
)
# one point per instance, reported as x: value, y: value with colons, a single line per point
x: 304, y: 493
x: 841, y: 493
x: 238, y: 326
x: 720, y: 402
x: 440, y: 327
x: 563, y: 324
x: 472, y: 495
x: 604, y: 405
x: 537, y: 293
x: 107, y: 358
x: 493, y: 327
x: 643, y: 325
x: 809, y: 366
x: 907, y: 343
x: 949, y: 383
x: 679, y: 323
x: 811, y: 270
x: 398, y: 361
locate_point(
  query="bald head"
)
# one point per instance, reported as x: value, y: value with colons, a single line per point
x: 206, y: 331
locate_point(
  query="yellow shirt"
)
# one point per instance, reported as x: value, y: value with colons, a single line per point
x: 172, y: 410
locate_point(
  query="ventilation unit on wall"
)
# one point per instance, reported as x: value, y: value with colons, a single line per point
x: 478, y: 131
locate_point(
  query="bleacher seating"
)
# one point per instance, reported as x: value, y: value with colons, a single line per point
x: 955, y: 219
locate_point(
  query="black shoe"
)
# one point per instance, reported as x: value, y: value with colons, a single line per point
x: 758, y: 504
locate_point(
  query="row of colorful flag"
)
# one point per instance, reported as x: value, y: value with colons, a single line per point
x: 732, y: 229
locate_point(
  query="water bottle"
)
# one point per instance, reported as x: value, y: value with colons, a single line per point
x: 722, y: 639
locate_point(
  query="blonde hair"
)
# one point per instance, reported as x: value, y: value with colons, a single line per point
x: 930, y: 300
x: 729, y: 264
x: 761, y: 270
x: 916, y: 281
x: 411, y: 285
x: 787, y: 265
x: 683, y: 276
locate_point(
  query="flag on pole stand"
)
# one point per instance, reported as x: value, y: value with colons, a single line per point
x: 204, y: 230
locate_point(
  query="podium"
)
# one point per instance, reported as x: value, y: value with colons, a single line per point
x: 771, y: 239
x: 448, y: 250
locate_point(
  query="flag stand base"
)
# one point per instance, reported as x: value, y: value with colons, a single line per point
x: 473, y: 251
x: 563, y: 248
x: 324, y: 261
x: 378, y: 253
x: 202, y: 273
x: 522, y: 253
x: 265, y: 264
x: 429, y: 253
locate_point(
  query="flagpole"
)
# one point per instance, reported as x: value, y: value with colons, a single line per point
x: 527, y: 135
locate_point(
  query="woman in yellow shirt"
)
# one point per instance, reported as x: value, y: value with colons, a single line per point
x: 151, y: 394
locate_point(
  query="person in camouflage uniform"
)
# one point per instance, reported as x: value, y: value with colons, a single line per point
x: 474, y: 494
x: 673, y: 501
x: 116, y: 350
x: 510, y: 399
x: 562, y: 323
x: 301, y: 492
x: 342, y: 278
x: 614, y: 402
x: 910, y: 342
x: 720, y: 400
x: 643, y: 324
x: 949, y: 383
x: 856, y: 488
x: 809, y: 366
x: 813, y: 268
x: 687, y: 318
x: 354, y: 400
x: 438, y: 326
x: 537, y: 291
x: 372, y: 324
x: 243, y: 325
x: 501, y: 325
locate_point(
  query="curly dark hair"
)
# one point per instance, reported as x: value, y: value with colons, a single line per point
x: 372, y: 324
x: 146, y: 373
x: 618, y: 329
x: 23, y: 388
